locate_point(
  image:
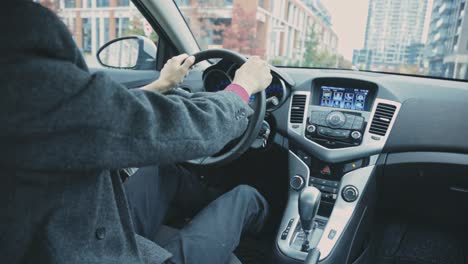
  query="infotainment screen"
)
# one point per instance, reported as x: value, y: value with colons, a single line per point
x: 345, y: 98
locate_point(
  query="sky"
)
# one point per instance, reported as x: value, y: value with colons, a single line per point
x: 349, y: 18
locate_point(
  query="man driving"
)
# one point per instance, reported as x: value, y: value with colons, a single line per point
x: 66, y: 135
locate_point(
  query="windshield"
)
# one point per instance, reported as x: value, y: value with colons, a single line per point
x: 419, y: 37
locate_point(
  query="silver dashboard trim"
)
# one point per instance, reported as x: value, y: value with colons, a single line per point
x: 339, y: 219
x: 368, y: 147
x: 301, y: 127
x: 343, y: 211
x: 292, y: 210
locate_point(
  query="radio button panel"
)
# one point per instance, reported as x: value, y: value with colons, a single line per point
x: 335, y: 129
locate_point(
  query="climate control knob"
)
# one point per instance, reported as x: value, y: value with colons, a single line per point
x: 296, y: 182
x: 311, y: 128
x: 336, y: 119
x: 356, y: 135
x: 350, y: 193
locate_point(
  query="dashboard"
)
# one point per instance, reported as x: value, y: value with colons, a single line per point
x: 339, y: 126
x: 340, y: 115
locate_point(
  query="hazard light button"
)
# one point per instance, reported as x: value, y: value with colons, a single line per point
x: 325, y: 170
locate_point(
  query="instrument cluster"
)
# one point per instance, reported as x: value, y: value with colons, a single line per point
x: 218, y: 77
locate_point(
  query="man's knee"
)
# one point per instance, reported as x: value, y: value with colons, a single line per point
x: 251, y: 196
x: 255, y: 206
x: 246, y: 191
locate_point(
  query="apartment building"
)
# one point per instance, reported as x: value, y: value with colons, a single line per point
x: 448, y: 39
x: 394, y: 33
x: 279, y: 28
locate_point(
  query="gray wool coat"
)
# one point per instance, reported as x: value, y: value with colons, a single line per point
x: 63, y: 130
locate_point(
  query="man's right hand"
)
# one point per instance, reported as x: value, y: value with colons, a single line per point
x: 254, y: 75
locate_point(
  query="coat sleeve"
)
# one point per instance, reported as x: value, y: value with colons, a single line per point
x: 59, y: 117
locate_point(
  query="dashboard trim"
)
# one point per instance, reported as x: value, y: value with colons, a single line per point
x: 292, y: 211
x: 300, y: 127
x: 339, y: 219
x: 427, y: 157
x: 343, y: 211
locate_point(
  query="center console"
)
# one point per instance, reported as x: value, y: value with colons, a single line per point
x: 337, y: 129
x: 339, y: 112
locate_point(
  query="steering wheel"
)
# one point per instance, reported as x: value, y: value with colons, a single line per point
x: 236, y: 148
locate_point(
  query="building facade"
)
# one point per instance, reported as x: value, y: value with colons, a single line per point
x: 278, y: 30
x: 93, y: 23
x: 362, y: 58
x: 394, y: 32
x: 448, y: 39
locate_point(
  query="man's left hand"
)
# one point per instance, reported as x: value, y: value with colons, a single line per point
x: 172, y: 74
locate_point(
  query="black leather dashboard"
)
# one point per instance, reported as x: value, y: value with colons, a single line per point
x: 431, y: 125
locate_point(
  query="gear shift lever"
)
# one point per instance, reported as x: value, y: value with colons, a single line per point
x: 309, y: 202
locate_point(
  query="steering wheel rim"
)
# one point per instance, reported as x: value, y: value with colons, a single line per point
x: 255, y: 122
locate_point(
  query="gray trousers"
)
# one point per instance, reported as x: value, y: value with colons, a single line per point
x: 214, y: 231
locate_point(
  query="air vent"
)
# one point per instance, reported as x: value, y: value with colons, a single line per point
x: 382, y: 118
x: 297, y: 108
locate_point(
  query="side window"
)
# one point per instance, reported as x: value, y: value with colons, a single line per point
x: 93, y: 23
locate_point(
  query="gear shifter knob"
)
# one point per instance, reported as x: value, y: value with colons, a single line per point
x: 309, y: 202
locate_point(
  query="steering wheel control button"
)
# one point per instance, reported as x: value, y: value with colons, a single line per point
x: 296, y: 182
x: 336, y: 119
x: 356, y: 135
x: 101, y: 233
x: 350, y: 193
x: 311, y: 128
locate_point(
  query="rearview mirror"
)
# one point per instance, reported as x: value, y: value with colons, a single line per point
x: 137, y: 53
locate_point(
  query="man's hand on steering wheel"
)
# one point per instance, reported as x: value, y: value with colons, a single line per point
x: 172, y: 74
x: 254, y: 75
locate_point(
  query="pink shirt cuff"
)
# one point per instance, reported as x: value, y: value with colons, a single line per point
x: 239, y: 90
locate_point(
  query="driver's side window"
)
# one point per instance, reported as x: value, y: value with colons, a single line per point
x: 93, y: 23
